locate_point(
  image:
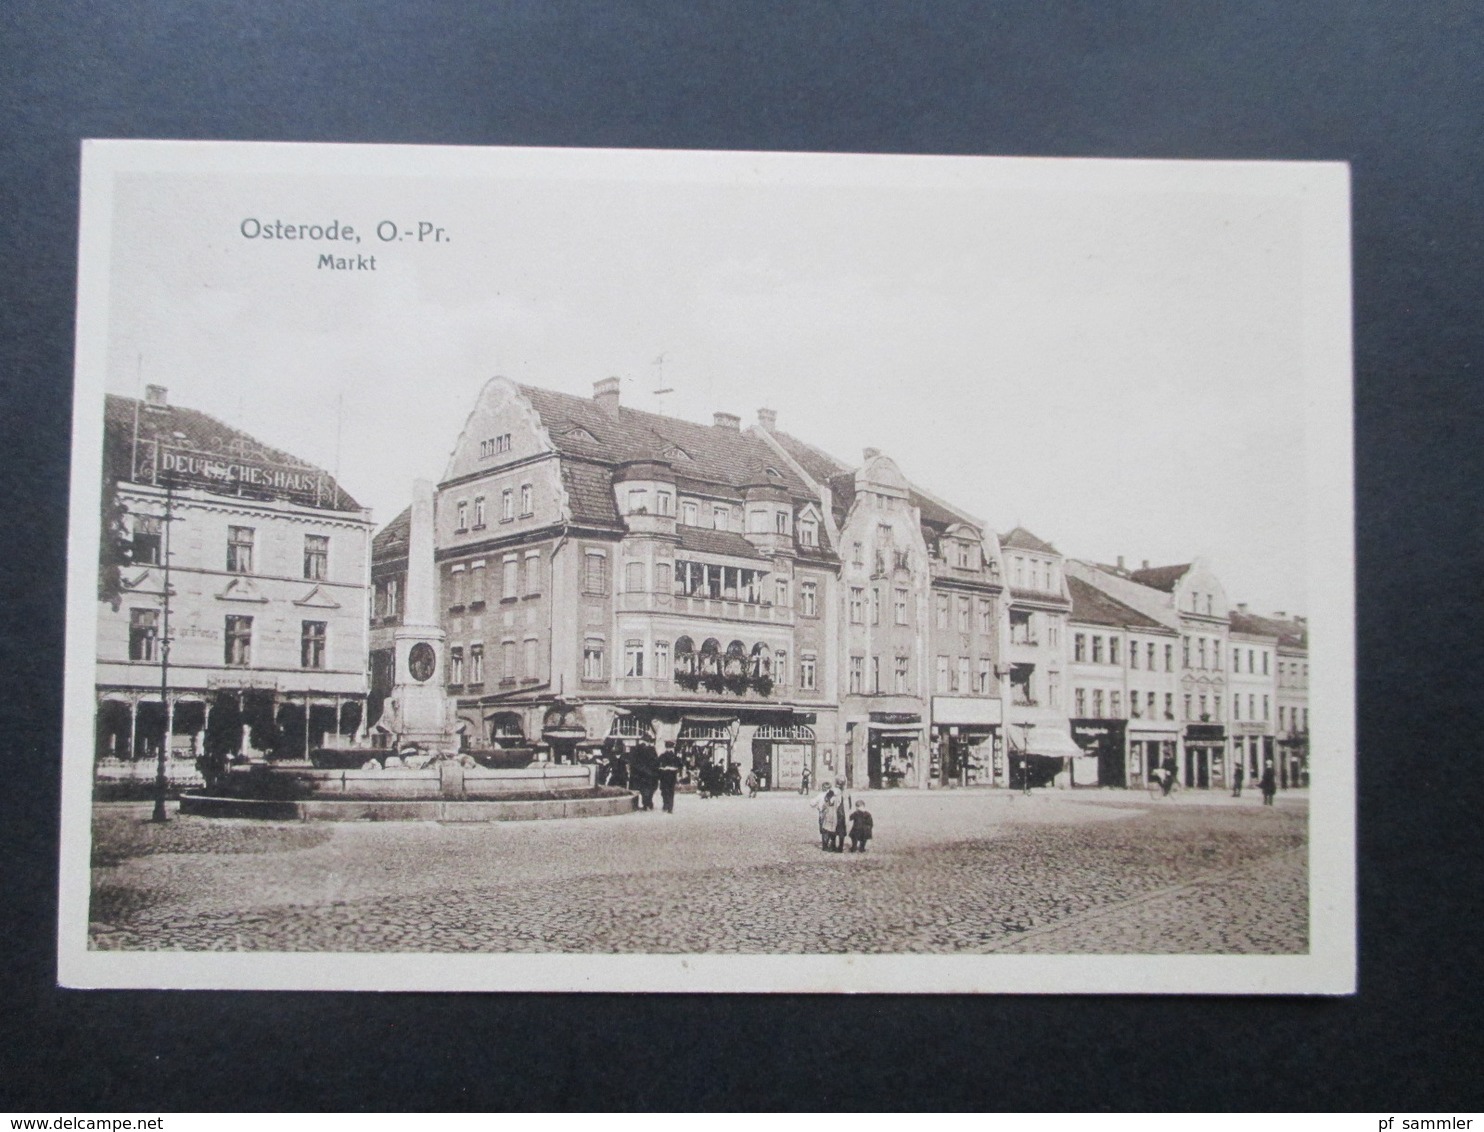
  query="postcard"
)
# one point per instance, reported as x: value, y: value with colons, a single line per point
x: 522, y: 569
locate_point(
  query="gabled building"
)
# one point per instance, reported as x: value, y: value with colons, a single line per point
x: 1272, y: 720
x: 258, y: 644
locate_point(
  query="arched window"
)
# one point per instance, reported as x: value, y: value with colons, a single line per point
x: 762, y: 660
x: 736, y: 660
x: 710, y: 657
x: 685, y: 656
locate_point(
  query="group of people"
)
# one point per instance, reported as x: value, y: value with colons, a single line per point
x: 642, y: 769
x: 836, y: 813
x: 1268, y: 783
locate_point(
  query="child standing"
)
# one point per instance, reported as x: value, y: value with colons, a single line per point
x: 860, y: 828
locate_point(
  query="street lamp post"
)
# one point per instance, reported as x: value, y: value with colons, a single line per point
x: 160, y: 768
x: 1025, y: 757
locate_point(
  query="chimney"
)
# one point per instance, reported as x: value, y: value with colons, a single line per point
x: 156, y: 396
x: 605, y: 393
x: 1146, y: 564
x: 1281, y: 616
x: 1242, y: 608
x: 767, y: 419
x: 870, y: 454
x: 727, y: 420
x: 1299, y: 619
x: 1120, y: 562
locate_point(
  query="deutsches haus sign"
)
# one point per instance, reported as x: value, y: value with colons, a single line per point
x: 180, y: 467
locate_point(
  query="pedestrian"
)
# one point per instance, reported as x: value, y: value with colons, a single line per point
x: 1167, y: 782
x: 840, y: 818
x: 1237, y: 775
x: 618, y: 763
x: 669, y: 770
x: 752, y: 784
x: 830, y: 815
x: 734, y: 779
x: 804, y: 783
x: 1268, y: 784
x: 644, y: 772
x: 860, y: 828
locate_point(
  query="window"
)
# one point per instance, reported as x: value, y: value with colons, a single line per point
x: 238, y: 639
x: 1133, y: 654
x: 1216, y: 706
x: 1237, y: 660
x: 721, y: 517
x: 963, y: 555
x: 638, y: 501
x: 899, y: 607
x: 239, y: 550
x: 875, y: 675
x: 461, y: 516
x: 1264, y: 663
x: 507, y: 662
x: 595, y: 575
x: 145, y: 549
x: 806, y: 671
x: 532, y: 661
x: 808, y: 532
x: 456, y: 664
x: 1169, y: 660
x: 1097, y: 703
x: 495, y: 446
x: 1237, y: 707
x: 479, y: 512
x: 961, y: 675
x: 633, y: 658
x: 1133, y: 705
x: 1184, y: 652
x: 476, y: 584
x: 1053, y: 689
x: 780, y: 666
x: 476, y: 664
x: 857, y: 674
x: 1053, y: 632
x: 1115, y: 704
x: 856, y: 552
x: 1204, y: 713
x: 1208, y: 603
x: 940, y: 612
x: 1097, y: 649
x: 688, y: 513
x: 1188, y: 714
x: 1265, y: 709
x: 964, y: 607
x: 510, y: 577
x: 1149, y: 656
x: 533, y: 573
x: 1113, y: 643
x: 144, y: 625
x: 1079, y: 699
x: 527, y: 505
x: 782, y: 522
x: 662, y: 660
x: 1018, y: 572
x: 1079, y: 647
x: 456, y: 583
x: 985, y: 676
x: 986, y: 616
x: 592, y: 659
x: 1200, y: 651
x: 1169, y: 705
x: 633, y: 577
x: 857, y: 605
x: 942, y: 674
x: 875, y: 605
x: 899, y: 674
x: 780, y: 589
x: 809, y: 599
x: 1149, y: 702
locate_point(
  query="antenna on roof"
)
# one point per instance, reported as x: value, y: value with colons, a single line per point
x: 660, y: 388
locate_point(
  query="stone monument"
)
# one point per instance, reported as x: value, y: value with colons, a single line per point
x: 417, y: 709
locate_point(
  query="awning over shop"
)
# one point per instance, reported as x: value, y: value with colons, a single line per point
x: 967, y: 711
x: 912, y: 729
x: 1050, y: 741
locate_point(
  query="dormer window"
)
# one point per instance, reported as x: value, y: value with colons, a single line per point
x: 808, y: 532
x: 721, y: 518
x: 774, y: 474
x: 782, y: 521
x: 689, y: 513
x: 962, y: 555
x: 638, y: 501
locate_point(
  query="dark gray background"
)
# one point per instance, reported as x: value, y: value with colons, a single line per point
x: 1394, y: 88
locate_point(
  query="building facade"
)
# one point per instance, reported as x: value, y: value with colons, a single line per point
x: 257, y: 644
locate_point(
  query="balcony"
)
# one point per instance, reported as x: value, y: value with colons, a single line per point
x: 711, y: 608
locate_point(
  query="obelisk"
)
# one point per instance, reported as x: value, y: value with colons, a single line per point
x: 420, y: 710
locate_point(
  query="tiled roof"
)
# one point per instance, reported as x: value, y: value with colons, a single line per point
x: 704, y: 540
x: 1022, y: 539
x: 590, y: 490
x: 199, y: 433
x: 821, y: 466
x: 392, y: 540
x: 1092, y: 605
x: 1160, y: 577
x: 1289, y: 633
x: 709, y: 453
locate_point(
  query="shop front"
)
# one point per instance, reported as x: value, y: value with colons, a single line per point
x: 1205, y: 746
x: 780, y: 754
x: 1147, y: 752
x: 1043, y: 754
x: 893, y: 748
x: 1104, y: 740
x: 968, y: 749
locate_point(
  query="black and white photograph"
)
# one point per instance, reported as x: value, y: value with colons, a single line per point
x: 602, y: 570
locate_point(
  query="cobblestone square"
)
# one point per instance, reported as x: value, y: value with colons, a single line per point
x: 948, y: 872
